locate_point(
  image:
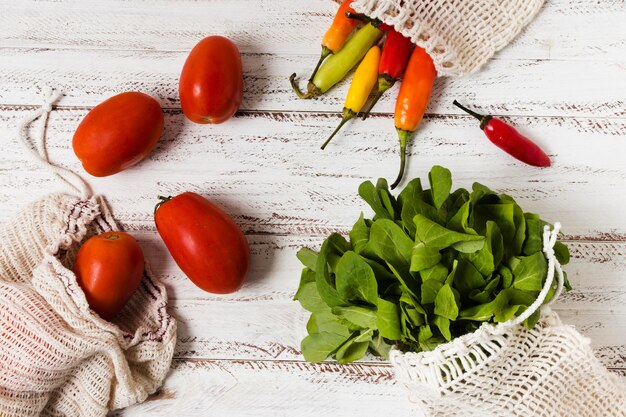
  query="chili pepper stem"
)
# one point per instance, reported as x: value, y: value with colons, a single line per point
x: 483, y: 119
x: 325, y: 53
x: 347, y: 115
x: 385, y: 82
x: 404, y: 136
x: 312, y: 90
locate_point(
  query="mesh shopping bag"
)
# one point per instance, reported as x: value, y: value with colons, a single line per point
x: 459, y: 35
x: 507, y: 370
x: 57, y: 357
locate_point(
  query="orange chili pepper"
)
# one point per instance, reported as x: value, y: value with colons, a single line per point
x: 413, y: 99
x: 337, y: 34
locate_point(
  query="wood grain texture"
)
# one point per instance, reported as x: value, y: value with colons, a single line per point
x: 564, y: 29
x: 267, y: 170
x: 563, y: 83
x: 276, y: 388
x: 520, y: 87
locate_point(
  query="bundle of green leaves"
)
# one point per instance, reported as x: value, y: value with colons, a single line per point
x: 430, y: 266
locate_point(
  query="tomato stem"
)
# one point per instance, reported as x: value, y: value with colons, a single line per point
x: 162, y: 201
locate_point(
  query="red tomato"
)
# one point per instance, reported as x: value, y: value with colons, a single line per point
x: 211, y: 83
x: 118, y: 133
x: 204, y: 241
x: 109, y: 268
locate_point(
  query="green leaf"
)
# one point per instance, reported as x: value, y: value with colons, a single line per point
x: 424, y: 257
x: 354, y: 349
x: 359, y: 316
x: 437, y: 272
x: 308, y: 258
x: 425, y: 333
x: 490, y: 255
x: 355, y: 280
x: 467, y: 278
x: 308, y: 295
x: 390, y: 243
x: 386, y: 198
x: 334, y: 246
x: 438, y: 237
x: 530, y: 272
x: 379, y: 347
x: 326, y: 322
x: 411, y: 192
x: 359, y: 235
x: 520, y: 228
x: 443, y: 324
x: 415, y: 207
x: 318, y: 346
x: 430, y: 289
x: 445, y: 303
x: 440, y: 184
x: 534, y: 234
x: 561, y: 252
x: 388, y: 319
x: 452, y: 205
x: 507, y: 276
x: 371, y: 195
x: 502, y: 214
x: 411, y: 309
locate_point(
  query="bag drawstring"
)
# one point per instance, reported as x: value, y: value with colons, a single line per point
x: 549, y: 240
x: 75, y: 181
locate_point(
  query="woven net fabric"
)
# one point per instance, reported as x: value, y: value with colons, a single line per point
x: 505, y: 369
x: 459, y: 35
x: 57, y: 357
x: 547, y: 371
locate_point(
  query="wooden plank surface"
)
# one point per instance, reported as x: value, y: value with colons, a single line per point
x: 562, y: 82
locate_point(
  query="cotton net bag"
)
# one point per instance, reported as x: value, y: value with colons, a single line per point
x: 459, y: 35
x: 507, y: 370
x: 58, y: 357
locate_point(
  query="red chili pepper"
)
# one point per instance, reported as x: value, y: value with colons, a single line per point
x: 392, y: 63
x: 505, y: 137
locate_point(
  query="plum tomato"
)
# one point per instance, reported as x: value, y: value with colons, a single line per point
x: 208, y: 246
x: 211, y: 82
x: 118, y: 133
x: 109, y: 268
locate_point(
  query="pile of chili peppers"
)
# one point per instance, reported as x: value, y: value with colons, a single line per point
x: 353, y: 40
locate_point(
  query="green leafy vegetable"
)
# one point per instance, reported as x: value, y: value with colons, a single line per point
x: 429, y: 266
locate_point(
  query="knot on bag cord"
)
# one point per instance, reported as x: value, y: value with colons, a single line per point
x: 38, y: 148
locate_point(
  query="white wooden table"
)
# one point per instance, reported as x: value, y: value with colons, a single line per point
x: 562, y: 82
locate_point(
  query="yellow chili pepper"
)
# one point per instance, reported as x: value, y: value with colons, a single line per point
x: 365, y: 78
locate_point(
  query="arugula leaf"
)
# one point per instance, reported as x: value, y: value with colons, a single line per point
x: 438, y: 237
x: 355, y: 348
x: 318, y: 346
x: 308, y: 258
x: 467, y: 278
x: 530, y: 272
x: 430, y: 289
x: 326, y: 322
x: 429, y: 267
x: 308, y: 295
x: 443, y: 324
x: 334, y: 245
x: 355, y: 280
x: 388, y: 319
x: 360, y: 316
x: 445, y: 303
x: 390, y: 243
x: 360, y: 235
x: 411, y: 192
x: 371, y: 195
x: 440, y: 180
